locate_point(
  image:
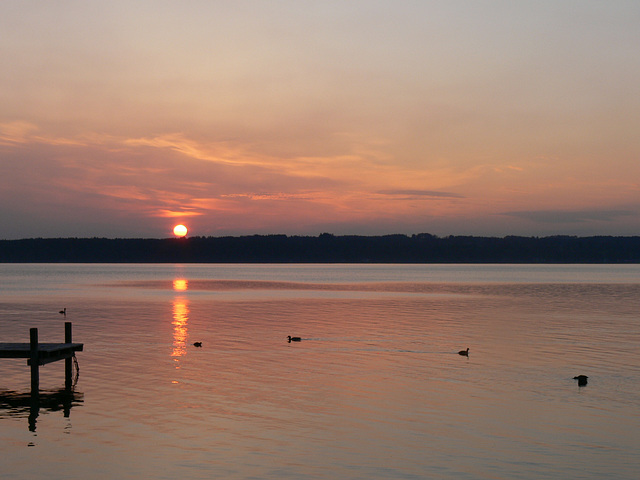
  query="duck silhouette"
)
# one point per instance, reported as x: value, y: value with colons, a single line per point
x: 63, y: 311
x: 293, y: 339
x: 197, y: 344
x: 464, y: 352
x: 582, y: 380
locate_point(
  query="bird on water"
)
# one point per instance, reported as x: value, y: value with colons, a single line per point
x: 464, y: 352
x: 63, y: 311
x: 293, y: 339
x: 582, y: 380
x: 197, y: 344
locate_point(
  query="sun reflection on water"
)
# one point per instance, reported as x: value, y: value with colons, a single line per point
x: 180, y: 321
x: 180, y: 285
x: 180, y: 331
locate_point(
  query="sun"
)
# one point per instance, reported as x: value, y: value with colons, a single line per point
x: 180, y: 231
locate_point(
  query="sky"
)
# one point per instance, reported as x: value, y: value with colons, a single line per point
x: 121, y: 119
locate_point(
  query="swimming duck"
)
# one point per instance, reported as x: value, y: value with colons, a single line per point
x: 293, y: 339
x: 582, y: 380
x: 63, y: 311
x: 464, y: 352
x: 197, y: 344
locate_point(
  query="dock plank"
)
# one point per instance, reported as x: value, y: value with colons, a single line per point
x: 47, y: 352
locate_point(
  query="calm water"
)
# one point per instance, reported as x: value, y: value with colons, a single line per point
x: 375, y: 389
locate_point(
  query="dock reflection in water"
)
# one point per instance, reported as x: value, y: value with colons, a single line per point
x: 29, y: 404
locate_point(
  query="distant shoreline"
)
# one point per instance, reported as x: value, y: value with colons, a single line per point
x: 326, y: 248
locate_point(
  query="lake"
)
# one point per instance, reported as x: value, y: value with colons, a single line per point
x: 375, y: 389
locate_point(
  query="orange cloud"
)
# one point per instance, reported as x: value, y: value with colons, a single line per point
x: 16, y: 132
x: 177, y: 214
x: 230, y: 188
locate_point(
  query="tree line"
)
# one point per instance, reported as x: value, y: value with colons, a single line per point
x: 325, y: 248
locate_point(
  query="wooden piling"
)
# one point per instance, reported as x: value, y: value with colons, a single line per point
x: 35, y: 361
x: 68, y: 365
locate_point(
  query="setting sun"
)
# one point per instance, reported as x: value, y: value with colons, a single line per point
x: 180, y: 230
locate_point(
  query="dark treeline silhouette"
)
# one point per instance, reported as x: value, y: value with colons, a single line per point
x: 325, y: 248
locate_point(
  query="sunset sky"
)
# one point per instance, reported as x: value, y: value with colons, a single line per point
x: 125, y: 118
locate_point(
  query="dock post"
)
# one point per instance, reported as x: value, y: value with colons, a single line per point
x: 35, y: 362
x: 68, y: 365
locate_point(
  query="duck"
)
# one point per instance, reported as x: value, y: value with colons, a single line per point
x: 582, y: 380
x: 197, y: 344
x: 464, y: 352
x: 63, y: 311
x: 293, y: 339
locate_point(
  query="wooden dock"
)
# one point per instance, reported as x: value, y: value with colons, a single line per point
x: 38, y: 354
x: 47, y: 352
